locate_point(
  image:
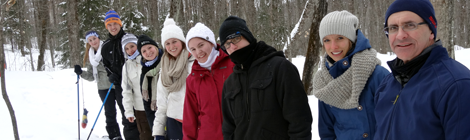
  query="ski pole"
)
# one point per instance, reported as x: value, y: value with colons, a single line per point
x: 78, y: 104
x: 100, y: 110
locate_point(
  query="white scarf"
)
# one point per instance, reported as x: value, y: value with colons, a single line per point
x: 95, y: 59
x: 210, y: 60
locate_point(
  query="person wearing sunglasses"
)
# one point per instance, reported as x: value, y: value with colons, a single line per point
x: 426, y: 95
x: 264, y: 97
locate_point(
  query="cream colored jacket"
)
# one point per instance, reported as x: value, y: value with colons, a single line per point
x: 169, y: 104
x: 132, y: 97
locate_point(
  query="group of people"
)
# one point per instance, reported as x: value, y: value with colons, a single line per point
x: 192, y: 88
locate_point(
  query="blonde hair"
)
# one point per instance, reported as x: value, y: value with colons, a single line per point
x: 85, y: 57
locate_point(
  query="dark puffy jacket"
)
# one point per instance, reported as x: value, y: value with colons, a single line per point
x: 351, y: 124
x: 113, y: 57
x: 267, y: 102
x: 202, y: 117
x: 433, y: 105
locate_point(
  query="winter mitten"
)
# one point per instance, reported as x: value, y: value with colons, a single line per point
x: 153, y: 106
x: 84, y: 118
x: 114, y: 78
x: 159, y: 138
x: 78, y: 69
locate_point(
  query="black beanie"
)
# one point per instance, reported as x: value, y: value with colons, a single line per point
x: 144, y: 40
x: 232, y: 25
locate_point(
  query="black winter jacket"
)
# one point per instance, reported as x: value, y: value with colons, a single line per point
x: 267, y: 101
x: 113, y: 57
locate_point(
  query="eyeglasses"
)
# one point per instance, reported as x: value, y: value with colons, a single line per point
x: 410, y: 26
x: 233, y: 38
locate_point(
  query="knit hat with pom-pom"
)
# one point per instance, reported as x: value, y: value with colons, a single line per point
x: 171, y: 30
x: 202, y: 31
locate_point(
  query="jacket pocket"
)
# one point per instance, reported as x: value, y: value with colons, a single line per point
x: 235, y: 99
x: 268, y: 135
x: 262, y: 94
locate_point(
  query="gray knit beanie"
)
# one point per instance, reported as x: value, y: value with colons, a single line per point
x: 339, y: 22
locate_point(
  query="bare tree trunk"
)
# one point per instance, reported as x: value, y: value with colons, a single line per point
x: 449, y: 27
x: 43, y: 23
x: 4, y: 89
x: 72, y: 26
x: 51, y: 31
x: 30, y: 47
x: 314, y: 45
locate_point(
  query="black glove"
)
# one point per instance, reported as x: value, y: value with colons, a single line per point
x: 114, y: 78
x: 78, y: 69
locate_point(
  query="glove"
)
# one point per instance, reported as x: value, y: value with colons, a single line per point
x: 153, y: 105
x: 159, y: 138
x: 78, y: 69
x: 114, y: 78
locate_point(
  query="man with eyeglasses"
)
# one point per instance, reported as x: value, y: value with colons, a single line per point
x: 264, y: 97
x: 426, y: 95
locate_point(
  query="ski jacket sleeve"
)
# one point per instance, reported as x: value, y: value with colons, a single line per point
x: 325, y: 122
x: 190, y: 113
x: 455, y: 112
x: 159, y: 122
x: 228, y: 125
x: 88, y: 74
x: 127, y: 94
x: 294, y: 101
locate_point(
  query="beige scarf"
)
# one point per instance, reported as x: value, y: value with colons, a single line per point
x: 344, y: 91
x: 145, y: 95
x: 174, y: 71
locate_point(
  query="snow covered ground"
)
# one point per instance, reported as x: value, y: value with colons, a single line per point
x: 45, y: 102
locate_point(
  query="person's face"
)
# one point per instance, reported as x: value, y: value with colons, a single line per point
x: 173, y: 46
x: 130, y: 48
x: 200, y: 48
x: 235, y: 44
x: 408, y: 44
x: 149, y: 52
x: 94, y: 42
x: 113, y: 28
x: 336, y: 46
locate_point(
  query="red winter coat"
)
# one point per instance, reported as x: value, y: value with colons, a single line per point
x: 202, y: 116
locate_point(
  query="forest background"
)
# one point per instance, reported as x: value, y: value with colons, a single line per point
x: 58, y: 26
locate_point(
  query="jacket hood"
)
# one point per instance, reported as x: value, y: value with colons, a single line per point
x: 340, y: 66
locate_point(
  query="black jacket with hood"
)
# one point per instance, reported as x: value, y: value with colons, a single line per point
x: 113, y: 57
x: 265, y: 100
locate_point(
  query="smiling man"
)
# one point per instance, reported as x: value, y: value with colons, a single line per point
x: 425, y: 97
x: 113, y: 60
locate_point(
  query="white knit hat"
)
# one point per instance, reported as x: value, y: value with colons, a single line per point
x: 128, y: 38
x: 170, y: 30
x: 339, y: 22
x: 202, y: 31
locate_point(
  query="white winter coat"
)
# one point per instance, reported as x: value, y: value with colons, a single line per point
x: 169, y: 104
x: 132, y: 97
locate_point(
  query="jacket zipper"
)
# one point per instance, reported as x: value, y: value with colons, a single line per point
x: 392, y: 115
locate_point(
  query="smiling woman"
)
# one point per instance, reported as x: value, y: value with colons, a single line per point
x: 346, y: 83
x: 202, y: 104
x: 150, y: 72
